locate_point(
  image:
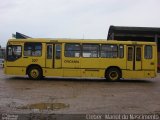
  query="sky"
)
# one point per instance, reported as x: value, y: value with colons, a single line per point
x: 74, y: 18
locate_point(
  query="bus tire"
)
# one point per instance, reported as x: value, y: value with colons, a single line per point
x: 113, y: 74
x: 35, y: 73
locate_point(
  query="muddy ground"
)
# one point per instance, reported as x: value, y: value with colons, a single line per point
x: 20, y: 95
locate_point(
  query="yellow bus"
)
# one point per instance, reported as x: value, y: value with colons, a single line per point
x: 110, y: 59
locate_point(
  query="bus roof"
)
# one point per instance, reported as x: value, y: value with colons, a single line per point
x: 68, y: 40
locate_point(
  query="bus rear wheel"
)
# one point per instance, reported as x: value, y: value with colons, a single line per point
x: 113, y: 74
x: 35, y: 73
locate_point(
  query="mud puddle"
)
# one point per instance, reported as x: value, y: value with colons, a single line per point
x: 46, y: 106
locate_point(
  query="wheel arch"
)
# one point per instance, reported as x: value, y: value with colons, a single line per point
x: 33, y: 65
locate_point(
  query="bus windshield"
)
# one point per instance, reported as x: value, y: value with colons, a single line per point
x: 14, y: 52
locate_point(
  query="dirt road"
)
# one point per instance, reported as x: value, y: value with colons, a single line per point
x: 83, y: 96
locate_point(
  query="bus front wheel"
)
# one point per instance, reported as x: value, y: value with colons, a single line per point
x: 35, y: 73
x: 113, y: 74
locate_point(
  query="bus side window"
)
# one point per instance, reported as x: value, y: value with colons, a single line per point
x: 32, y: 49
x: 90, y: 50
x: 109, y: 51
x: 148, y: 52
x: 72, y: 50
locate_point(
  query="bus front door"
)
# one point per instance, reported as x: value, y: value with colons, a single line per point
x: 134, y: 57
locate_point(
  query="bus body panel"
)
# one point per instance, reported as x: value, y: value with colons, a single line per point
x: 53, y: 72
x: 150, y: 64
x: 138, y: 74
x: 15, y: 70
x: 83, y: 73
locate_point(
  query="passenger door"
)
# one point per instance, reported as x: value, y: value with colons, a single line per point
x: 58, y: 56
x: 138, y: 57
x: 53, y: 57
x: 134, y: 57
x: 49, y: 56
